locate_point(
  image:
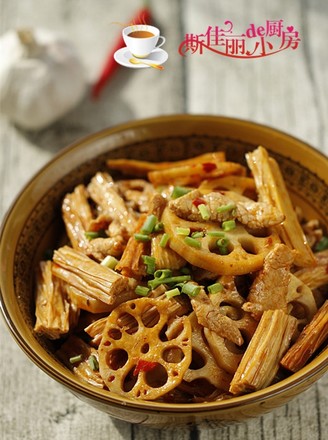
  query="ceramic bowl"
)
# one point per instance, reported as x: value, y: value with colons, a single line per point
x: 33, y: 225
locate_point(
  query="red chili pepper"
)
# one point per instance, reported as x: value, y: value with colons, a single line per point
x: 208, y: 167
x: 198, y: 201
x: 143, y: 366
x: 142, y: 17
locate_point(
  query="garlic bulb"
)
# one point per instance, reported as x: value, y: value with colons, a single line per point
x: 41, y: 77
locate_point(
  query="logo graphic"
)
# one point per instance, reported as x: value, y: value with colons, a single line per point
x: 255, y: 42
x: 142, y: 47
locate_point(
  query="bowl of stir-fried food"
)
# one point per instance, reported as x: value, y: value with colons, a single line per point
x: 174, y: 270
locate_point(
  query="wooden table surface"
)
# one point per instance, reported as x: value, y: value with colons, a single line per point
x: 288, y: 90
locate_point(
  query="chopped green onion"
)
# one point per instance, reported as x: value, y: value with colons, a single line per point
x: 193, y: 242
x: 149, y: 224
x: 216, y: 233
x: 109, y: 261
x: 179, y: 191
x: 215, y: 288
x: 150, y: 263
x: 159, y: 227
x: 182, y: 231
x: 222, y: 242
x: 228, y: 225
x: 141, y: 290
x: 204, y: 211
x: 164, y: 240
x: 152, y: 284
x: 93, y: 363
x: 197, y: 234
x: 226, y: 208
x: 90, y: 235
x: 141, y: 237
x: 321, y: 245
x: 191, y: 289
x: 223, y: 250
x: 163, y: 273
x: 75, y: 359
x: 171, y: 293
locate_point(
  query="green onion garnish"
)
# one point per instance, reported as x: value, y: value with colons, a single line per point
x: 150, y: 263
x: 222, y: 242
x: 182, y: 231
x: 152, y: 284
x: 223, y: 250
x: 197, y: 234
x: 159, y: 227
x: 163, y: 273
x: 193, y: 242
x: 179, y: 191
x: 215, y: 233
x: 215, y: 288
x: 321, y: 245
x: 109, y: 261
x: 171, y: 293
x: 228, y: 225
x: 204, y: 211
x: 164, y: 240
x: 149, y: 224
x: 141, y: 237
x: 90, y: 235
x: 75, y: 359
x: 226, y: 208
x: 93, y: 363
x: 141, y: 290
x: 190, y: 289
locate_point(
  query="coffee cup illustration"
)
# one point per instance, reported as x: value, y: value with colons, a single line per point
x: 142, y: 39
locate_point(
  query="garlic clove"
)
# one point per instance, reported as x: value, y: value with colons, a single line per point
x: 41, y: 78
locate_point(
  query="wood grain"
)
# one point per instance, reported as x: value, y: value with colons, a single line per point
x: 288, y: 91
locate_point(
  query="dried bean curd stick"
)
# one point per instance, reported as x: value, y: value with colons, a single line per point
x: 130, y: 264
x: 194, y: 174
x: 142, y: 168
x: 86, y: 302
x: 239, y: 184
x: 90, y: 277
x: 272, y: 189
x: 260, y: 362
x: 54, y: 312
x: 317, y: 276
x: 310, y: 339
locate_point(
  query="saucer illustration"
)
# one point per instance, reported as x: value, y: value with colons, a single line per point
x: 157, y: 56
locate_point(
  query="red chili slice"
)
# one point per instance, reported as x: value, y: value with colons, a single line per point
x: 198, y: 201
x: 208, y: 167
x: 143, y: 366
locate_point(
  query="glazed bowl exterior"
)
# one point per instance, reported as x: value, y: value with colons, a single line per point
x: 33, y: 225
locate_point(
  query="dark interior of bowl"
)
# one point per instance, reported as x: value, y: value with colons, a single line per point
x: 44, y: 227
